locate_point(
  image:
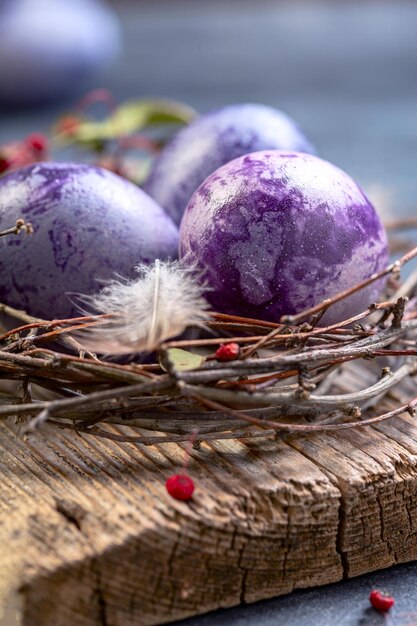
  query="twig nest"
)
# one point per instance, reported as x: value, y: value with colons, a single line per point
x: 213, y: 140
x: 89, y: 226
x: 275, y: 233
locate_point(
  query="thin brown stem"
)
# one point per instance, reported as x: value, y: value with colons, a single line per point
x: 390, y: 269
x: 20, y: 226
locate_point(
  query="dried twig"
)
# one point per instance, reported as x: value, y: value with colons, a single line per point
x: 285, y: 381
x: 20, y: 226
x: 393, y: 268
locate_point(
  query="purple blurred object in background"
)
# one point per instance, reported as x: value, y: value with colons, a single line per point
x: 51, y: 49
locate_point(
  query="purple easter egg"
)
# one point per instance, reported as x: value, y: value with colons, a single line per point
x: 89, y: 226
x: 213, y: 140
x: 275, y: 232
x: 52, y: 49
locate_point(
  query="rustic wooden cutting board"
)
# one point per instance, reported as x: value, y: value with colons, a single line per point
x: 89, y: 536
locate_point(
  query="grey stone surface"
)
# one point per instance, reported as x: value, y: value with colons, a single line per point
x: 342, y: 604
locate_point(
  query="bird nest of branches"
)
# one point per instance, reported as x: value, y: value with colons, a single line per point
x: 296, y: 375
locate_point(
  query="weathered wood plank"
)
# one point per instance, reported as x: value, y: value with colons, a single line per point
x: 89, y: 535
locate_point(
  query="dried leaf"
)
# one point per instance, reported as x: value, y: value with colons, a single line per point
x: 131, y: 117
x: 182, y: 359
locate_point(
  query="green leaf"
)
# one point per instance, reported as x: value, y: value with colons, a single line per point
x: 136, y: 115
x: 131, y: 117
x: 182, y: 359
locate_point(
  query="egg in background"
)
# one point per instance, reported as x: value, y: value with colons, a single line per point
x: 52, y: 49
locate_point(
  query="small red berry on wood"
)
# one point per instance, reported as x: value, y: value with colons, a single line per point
x: 228, y: 352
x: 180, y: 486
x: 381, y: 601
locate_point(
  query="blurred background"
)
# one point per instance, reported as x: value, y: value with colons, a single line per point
x: 346, y: 71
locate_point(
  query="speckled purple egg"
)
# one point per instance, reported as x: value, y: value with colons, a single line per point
x: 89, y: 225
x: 213, y: 140
x: 274, y: 233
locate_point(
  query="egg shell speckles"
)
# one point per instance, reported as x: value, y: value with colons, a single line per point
x: 274, y: 233
x: 89, y: 225
x: 213, y: 140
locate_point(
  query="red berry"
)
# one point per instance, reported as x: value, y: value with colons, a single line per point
x: 5, y: 164
x: 228, y: 352
x: 37, y: 142
x: 180, y: 486
x: 381, y: 601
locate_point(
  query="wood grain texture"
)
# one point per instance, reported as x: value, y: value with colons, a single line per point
x: 89, y: 536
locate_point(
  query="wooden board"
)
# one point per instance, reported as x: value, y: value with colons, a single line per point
x: 89, y: 536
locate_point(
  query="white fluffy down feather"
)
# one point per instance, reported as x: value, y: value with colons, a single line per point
x: 160, y: 304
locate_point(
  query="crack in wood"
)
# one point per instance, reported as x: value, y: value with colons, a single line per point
x: 340, y: 535
x: 72, y: 512
x: 99, y: 594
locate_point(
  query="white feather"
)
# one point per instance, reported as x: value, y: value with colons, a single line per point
x: 160, y: 304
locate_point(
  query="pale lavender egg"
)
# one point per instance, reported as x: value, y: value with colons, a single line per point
x: 90, y: 225
x: 213, y: 140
